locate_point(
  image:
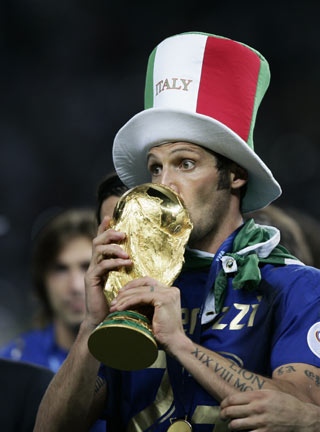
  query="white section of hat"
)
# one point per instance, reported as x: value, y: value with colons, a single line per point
x: 178, y: 60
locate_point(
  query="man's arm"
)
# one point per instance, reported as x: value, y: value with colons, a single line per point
x: 70, y: 398
x: 217, y: 374
x: 270, y: 411
x: 222, y: 377
x: 75, y: 398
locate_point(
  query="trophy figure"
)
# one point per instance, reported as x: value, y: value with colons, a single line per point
x: 157, y: 228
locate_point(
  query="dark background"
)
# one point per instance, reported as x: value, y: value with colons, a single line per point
x: 72, y: 73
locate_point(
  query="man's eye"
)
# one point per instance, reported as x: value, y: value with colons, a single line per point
x: 84, y: 266
x: 155, y: 169
x: 59, y: 268
x: 187, y: 164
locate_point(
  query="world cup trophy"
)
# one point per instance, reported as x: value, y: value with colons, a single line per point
x: 157, y: 227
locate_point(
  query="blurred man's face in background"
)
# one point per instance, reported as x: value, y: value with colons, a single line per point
x: 65, y: 281
x: 108, y: 206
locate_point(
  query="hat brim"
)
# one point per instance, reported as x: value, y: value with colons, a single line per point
x: 156, y: 126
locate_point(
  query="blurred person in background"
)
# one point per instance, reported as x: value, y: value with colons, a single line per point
x: 60, y: 258
x: 61, y: 255
x: 292, y: 232
x: 310, y: 227
x: 109, y: 190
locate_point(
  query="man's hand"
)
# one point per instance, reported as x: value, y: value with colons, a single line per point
x: 107, y: 255
x: 269, y: 411
x: 166, y: 322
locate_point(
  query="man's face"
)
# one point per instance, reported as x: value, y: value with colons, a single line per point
x: 191, y: 171
x: 65, y: 281
x: 108, y: 206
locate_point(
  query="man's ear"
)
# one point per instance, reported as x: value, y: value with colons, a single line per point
x: 239, y: 176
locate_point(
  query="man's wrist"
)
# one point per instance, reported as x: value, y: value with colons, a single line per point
x: 180, y: 345
x: 87, y: 327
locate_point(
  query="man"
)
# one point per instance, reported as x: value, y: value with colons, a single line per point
x: 61, y: 255
x: 239, y: 308
x: 109, y: 191
x: 293, y: 236
x: 60, y: 258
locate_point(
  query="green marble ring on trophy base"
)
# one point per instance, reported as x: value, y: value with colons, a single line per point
x: 124, y: 341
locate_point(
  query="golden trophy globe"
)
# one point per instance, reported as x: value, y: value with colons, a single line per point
x: 157, y: 227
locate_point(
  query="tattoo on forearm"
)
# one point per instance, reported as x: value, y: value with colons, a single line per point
x: 285, y: 370
x: 315, y: 378
x: 203, y: 357
x: 239, y: 378
x: 99, y: 384
x: 249, y: 377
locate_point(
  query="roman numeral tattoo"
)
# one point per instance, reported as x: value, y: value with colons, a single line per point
x: 200, y: 357
x: 239, y: 378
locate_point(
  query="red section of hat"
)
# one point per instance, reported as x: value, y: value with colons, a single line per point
x: 228, y: 84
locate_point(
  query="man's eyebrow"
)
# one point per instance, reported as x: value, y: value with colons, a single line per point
x: 176, y: 150
x: 149, y: 155
x: 187, y: 149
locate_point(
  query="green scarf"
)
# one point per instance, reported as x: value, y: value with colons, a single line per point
x: 248, y: 275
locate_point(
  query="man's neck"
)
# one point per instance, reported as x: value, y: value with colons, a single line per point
x: 64, y: 334
x: 214, y: 240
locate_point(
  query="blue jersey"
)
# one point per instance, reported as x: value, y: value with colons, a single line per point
x: 258, y: 330
x: 38, y: 347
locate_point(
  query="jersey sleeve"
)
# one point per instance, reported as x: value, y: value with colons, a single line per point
x: 296, y: 336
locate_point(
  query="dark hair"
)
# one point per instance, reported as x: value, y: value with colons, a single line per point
x: 224, y: 166
x: 111, y: 185
x: 49, y: 241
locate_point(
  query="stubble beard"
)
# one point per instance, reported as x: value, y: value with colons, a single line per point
x: 209, y: 224
x: 71, y: 322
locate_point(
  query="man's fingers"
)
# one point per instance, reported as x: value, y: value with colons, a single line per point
x: 235, y: 411
x: 105, y: 245
x: 135, y: 300
x: 109, y: 236
x: 238, y: 399
x: 154, y: 294
x: 241, y: 418
x: 142, y: 282
x: 107, y: 265
x: 109, y: 251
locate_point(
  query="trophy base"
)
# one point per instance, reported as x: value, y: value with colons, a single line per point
x: 124, y: 341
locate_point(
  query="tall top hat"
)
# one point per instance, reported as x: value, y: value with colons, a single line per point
x: 203, y: 89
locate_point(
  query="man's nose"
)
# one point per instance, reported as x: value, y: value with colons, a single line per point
x: 168, y: 179
x: 76, y: 280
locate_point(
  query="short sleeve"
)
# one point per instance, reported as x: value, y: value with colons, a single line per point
x: 297, y: 312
